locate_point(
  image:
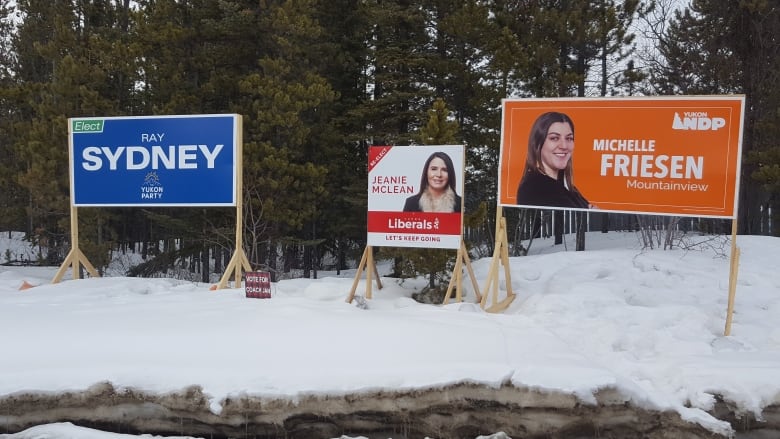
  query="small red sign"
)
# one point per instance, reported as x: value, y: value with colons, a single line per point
x: 258, y: 284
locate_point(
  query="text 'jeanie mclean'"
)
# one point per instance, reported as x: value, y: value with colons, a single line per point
x: 391, y: 184
x: 382, y: 189
x: 94, y: 158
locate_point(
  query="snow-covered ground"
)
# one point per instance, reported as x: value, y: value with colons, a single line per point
x: 649, y: 323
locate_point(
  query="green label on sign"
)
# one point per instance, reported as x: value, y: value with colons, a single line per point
x: 88, y: 126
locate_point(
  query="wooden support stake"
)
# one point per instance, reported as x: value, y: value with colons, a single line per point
x: 733, y: 270
x: 367, y: 263
x: 239, y: 259
x: 457, y: 278
x: 376, y: 272
x: 470, y: 270
x: 75, y: 256
x: 500, y: 256
x: 370, y: 271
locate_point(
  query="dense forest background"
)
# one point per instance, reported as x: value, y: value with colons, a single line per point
x: 319, y: 81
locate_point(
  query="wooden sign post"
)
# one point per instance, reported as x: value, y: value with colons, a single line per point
x: 75, y: 257
x: 733, y: 270
x: 366, y: 262
x: 456, y: 279
x: 239, y: 259
x: 500, y: 256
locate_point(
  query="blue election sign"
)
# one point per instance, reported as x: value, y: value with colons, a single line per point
x: 154, y: 160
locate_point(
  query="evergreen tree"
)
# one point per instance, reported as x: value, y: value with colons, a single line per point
x: 59, y: 74
x: 282, y: 98
x: 716, y: 47
x: 194, y: 53
x: 317, y: 82
x: 398, y: 63
x: 435, y: 263
x: 13, y: 197
x: 341, y: 60
x: 464, y: 41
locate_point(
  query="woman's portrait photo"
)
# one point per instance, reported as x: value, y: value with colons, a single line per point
x: 437, y: 187
x: 547, y: 176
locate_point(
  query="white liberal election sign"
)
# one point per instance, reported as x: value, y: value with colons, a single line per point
x: 154, y: 160
x: 415, y: 196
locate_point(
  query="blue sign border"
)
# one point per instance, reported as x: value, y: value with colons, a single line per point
x: 176, y: 160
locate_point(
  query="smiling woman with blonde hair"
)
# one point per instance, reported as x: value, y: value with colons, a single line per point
x: 437, y: 187
x: 548, y: 177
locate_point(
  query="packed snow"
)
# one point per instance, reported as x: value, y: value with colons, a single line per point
x: 647, y: 322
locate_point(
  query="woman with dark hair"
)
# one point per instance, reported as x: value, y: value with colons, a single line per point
x: 547, y: 177
x: 437, y: 187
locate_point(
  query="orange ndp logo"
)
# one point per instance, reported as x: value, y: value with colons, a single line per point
x: 666, y: 155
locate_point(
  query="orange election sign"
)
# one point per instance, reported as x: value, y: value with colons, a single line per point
x: 663, y: 155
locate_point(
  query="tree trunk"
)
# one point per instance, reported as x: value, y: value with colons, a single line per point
x: 307, y: 262
x: 580, y: 223
x: 217, y: 259
x: 205, y: 259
